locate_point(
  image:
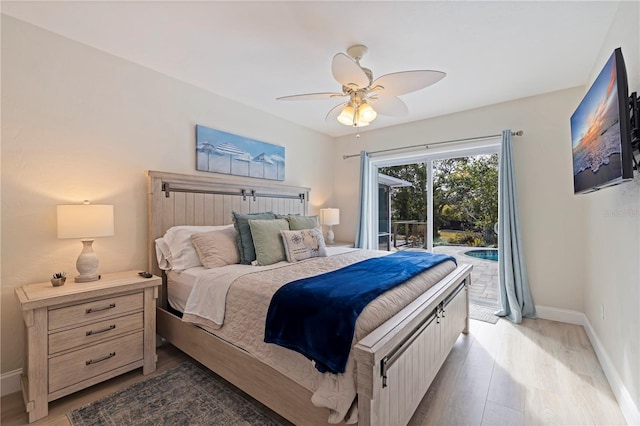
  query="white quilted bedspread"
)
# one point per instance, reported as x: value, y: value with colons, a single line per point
x: 247, y: 302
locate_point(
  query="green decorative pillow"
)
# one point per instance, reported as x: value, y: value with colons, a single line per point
x: 245, y: 240
x: 267, y: 240
x: 302, y: 222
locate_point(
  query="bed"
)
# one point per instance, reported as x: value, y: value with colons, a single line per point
x: 393, y: 363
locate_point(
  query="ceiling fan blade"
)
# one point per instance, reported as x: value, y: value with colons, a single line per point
x: 335, y: 111
x: 399, y: 83
x: 311, y: 96
x: 389, y: 105
x: 348, y: 73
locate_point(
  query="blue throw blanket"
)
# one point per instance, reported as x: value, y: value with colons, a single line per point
x: 316, y: 316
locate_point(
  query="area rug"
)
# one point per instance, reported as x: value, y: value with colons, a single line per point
x: 483, y: 313
x: 184, y: 395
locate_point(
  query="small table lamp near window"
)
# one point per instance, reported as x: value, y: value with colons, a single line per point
x: 330, y: 217
x: 85, y: 221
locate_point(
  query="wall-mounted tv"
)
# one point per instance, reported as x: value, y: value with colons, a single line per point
x: 600, y: 131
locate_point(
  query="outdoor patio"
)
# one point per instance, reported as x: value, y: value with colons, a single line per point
x: 484, y: 277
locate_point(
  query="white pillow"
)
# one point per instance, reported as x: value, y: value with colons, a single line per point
x: 183, y: 253
x: 163, y: 254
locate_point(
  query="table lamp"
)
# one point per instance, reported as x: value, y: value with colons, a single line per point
x: 330, y: 217
x: 85, y: 221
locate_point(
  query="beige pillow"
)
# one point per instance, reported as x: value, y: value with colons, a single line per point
x: 217, y: 248
x: 182, y: 254
x: 303, y: 244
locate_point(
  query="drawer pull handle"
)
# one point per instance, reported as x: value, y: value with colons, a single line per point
x: 104, y: 358
x: 91, y: 332
x: 104, y: 308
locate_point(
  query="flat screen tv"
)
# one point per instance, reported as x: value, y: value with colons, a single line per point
x: 600, y: 131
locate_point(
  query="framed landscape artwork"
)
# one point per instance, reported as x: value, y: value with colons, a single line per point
x: 222, y: 152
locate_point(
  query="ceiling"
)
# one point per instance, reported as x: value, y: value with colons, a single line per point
x: 253, y: 52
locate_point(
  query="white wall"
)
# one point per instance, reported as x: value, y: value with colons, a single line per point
x: 612, y: 234
x: 551, y: 216
x: 81, y: 124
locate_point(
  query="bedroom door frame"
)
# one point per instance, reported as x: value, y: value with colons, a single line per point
x: 490, y: 146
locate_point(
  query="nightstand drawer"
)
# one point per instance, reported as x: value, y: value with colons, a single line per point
x: 94, y: 332
x: 66, y: 370
x: 94, y: 311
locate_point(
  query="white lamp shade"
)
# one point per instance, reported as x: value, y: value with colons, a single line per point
x: 359, y: 117
x: 85, y: 220
x: 346, y: 116
x: 329, y: 216
x: 366, y: 113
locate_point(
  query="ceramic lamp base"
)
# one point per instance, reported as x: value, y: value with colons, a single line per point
x: 86, y: 278
x: 330, y: 236
x: 87, y: 264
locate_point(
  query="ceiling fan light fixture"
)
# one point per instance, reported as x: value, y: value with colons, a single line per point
x: 346, y: 116
x: 355, y: 115
x: 366, y: 113
x: 359, y: 86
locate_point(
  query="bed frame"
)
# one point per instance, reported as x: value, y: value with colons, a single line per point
x: 396, y: 362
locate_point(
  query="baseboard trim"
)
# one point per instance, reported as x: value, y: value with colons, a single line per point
x: 10, y: 382
x: 560, y: 315
x: 626, y: 403
x: 628, y: 407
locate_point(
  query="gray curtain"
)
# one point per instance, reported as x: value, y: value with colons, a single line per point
x: 363, y: 234
x: 515, y: 296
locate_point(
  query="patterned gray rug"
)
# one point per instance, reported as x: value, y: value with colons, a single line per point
x: 483, y: 313
x: 184, y: 395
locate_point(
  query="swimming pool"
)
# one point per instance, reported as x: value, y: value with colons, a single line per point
x: 486, y: 254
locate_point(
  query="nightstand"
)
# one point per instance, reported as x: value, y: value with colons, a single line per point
x: 81, y: 334
x: 341, y: 244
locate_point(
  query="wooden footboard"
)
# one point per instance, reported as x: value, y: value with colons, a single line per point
x: 397, y: 362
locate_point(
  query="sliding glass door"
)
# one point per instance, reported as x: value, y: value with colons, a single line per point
x: 450, y: 206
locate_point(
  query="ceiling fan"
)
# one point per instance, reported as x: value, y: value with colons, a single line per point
x: 364, y: 93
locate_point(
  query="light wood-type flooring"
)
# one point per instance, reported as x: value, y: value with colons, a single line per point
x: 539, y: 372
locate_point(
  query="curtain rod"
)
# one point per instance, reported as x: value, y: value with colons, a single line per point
x: 428, y: 145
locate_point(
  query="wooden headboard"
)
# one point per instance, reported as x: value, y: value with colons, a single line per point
x: 177, y: 199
